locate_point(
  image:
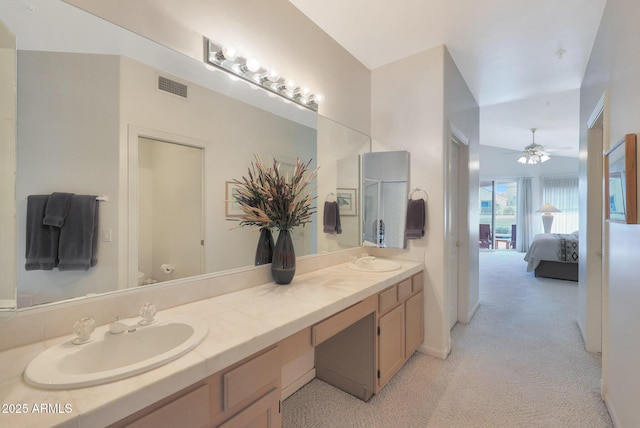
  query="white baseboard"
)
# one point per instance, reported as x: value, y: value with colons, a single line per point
x: 472, y: 312
x: 612, y: 412
x: 583, y: 336
x: 435, y: 352
x: 298, y: 383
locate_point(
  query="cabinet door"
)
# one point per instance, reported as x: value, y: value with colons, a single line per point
x: 414, y: 323
x: 264, y: 413
x: 390, y: 344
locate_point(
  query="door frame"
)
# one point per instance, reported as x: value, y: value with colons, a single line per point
x: 455, y: 136
x: 593, y: 278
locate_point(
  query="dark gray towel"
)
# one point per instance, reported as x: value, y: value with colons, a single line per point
x: 331, y: 218
x: 414, y: 228
x: 57, y: 209
x: 79, y: 235
x: 42, y: 240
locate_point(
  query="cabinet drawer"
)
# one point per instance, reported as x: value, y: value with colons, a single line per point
x: 387, y: 300
x: 190, y: 410
x: 335, y: 324
x: 405, y: 290
x: 417, y: 282
x: 262, y: 413
x: 249, y: 379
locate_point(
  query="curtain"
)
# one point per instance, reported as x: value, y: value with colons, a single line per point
x: 562, y: 193
x: 524, y: 233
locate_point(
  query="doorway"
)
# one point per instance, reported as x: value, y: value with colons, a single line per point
x: 170, y: 211
x: 457, y: 254
x: 498, y: 214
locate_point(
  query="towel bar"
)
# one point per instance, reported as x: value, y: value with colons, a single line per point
x: 418, y: 189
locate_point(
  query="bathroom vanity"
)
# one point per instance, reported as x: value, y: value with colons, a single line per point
x: 358, y: 350
x: 264, y: 343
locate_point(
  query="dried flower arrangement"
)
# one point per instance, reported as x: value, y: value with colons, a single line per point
x: 269, y: 199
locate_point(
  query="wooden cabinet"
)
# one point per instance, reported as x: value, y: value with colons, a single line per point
x: 263, y: 413
x: 390, y: 344
x: 244, y: 387
x: 361, y: 348
x: 189, y: 409
x: 358, y: 350
x: 245, y: 394
x: 400, y: 326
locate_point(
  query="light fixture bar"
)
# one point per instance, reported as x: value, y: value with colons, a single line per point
x: 226, y: 58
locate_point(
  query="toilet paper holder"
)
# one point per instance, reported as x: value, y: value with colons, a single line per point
x: 167, y: 268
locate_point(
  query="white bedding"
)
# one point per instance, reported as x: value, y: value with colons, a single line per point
x: 545, y: 246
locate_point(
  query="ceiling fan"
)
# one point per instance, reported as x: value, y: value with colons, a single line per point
x: 534, y: 153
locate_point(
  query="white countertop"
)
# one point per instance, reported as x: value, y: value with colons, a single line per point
x: 240, y: 324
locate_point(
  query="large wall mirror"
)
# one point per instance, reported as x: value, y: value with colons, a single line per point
x: 385, y: 185
x: 93, y: 118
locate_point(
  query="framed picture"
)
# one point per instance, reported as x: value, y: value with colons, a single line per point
x: 347, y: 201
x: 620, y: 181
x: 231, y: 208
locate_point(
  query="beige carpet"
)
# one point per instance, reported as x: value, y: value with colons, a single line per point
x: 519, y: 363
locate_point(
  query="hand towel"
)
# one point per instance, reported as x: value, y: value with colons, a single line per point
x: 331, y: 218
x: 414, y: 228
x: 79, y: 234
x: 42, y: 240
x: 57, y: 209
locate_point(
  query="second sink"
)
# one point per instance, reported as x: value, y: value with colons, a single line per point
x: 372, y: 264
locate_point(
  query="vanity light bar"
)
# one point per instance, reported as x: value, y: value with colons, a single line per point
x: 249, y: 69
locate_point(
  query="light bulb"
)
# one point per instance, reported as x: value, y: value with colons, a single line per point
x: 544, y: 158
x: 319, y: 98
x: 273, y: 76
x: 305, y: 92
x: 522, y: 160
x: 229, y: 52
x: 290, y: 84
x: 252, y: 64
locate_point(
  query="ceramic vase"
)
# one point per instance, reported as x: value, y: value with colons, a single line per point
x: 264, y: 250
x: 283, y: 265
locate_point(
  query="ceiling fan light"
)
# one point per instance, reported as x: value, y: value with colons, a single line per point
x: 523, y: 159
x: 544, y: 158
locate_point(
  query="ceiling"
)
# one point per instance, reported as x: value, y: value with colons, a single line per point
x: 506, y: 51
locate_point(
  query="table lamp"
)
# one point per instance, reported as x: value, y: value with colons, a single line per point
x: 547, y: 217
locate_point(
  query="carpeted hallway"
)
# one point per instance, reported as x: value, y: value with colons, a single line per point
x: 519, y: 363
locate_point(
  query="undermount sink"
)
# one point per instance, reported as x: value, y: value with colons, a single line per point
x: 109, y: 357
x: 373, y: 264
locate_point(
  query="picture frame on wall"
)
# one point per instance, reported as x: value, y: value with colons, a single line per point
x: 231, y: 207
x: 347, y: 201
x: 620, y: 172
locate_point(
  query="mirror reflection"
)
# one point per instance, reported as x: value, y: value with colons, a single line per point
x: 99, y: 122
x: 7, y: 166
x: 385, y: 184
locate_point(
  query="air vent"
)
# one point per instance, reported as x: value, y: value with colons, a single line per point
x: 172, y: 87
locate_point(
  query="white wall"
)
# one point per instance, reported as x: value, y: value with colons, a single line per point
x: 463, y: 114
x: 274, y: 31
x: 409, y: 98
x: 614, y: 66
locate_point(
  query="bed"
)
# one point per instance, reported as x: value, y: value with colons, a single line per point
x: 554, y: 255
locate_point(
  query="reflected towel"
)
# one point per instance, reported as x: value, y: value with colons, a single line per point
x: 42, y: 240
x: 414, y: 228
x: 79, y: 235
x: 331, y: 218
x: 57, y: 209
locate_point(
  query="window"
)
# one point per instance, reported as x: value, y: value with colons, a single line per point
x: 562, y: 193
